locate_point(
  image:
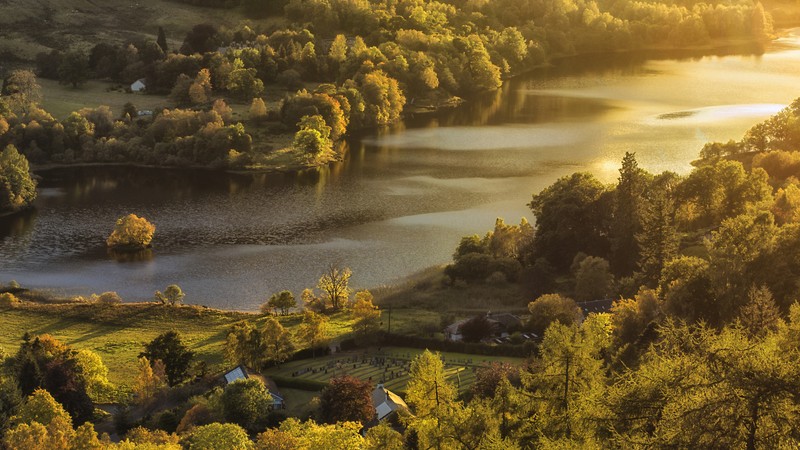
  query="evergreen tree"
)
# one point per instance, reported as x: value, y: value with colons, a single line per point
x: 658, y: 241
x: 627, y: 216
x: 162, y: 40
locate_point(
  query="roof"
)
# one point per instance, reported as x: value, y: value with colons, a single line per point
x: 508, y: 320
x: 386, y: 401
x: 596, y: 306
x: 237, y: 373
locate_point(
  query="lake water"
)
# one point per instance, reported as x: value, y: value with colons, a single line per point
x: 404, y: 196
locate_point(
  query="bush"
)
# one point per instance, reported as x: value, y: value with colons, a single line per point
x: 8, y: 300
x: 131, y: 232
x: 109, y: 298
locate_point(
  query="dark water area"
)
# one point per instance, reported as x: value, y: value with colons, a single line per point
x: 403, y: 196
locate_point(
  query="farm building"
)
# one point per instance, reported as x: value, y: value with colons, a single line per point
x: 139, y: 85
x: 243, y: 373
x: 503, y: 324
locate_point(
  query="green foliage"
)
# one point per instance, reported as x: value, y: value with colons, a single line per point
x: 17, y: 187
x: 218, y: 436
x: 428, y: 392
x: 74, y: 68
x: 246, y: 403
x: 176, y: 356
x: 593, y: 279
x: 282, y: 301
x: 552, y: 308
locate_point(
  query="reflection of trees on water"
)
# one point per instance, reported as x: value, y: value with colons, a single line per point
x: 127, y: 257
x: 19, y: 225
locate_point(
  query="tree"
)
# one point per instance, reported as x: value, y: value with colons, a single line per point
x: 489, y: 377
x: 627, y: 223
x: 383, y: 437
x: 277, y: 341
x: 150, y: 379
x: 335, y: 285
x: 162, y: 40
x: 568, y: 378
x: 313, y: 137
x: 177, y: 358
x: 41, y: 407
x: 552, y: 308
x: 94, y: 372
x: 218, y: 436
x: 46, y: 363
x: 347, y: 399
x: 173, y: 296
x: 593, y: 280
x: 283, y: 301
x: 258, y: 110
x: 476, y: 329
x: 365, y: 315
x: 760, y: 315
x: 428, y: 392
x: 658, y: 240
x: 686, y: 288
x: 23, y: 91
x: 313, y: 329
x: 247, y: 403
x: 74, y: 68
x: 310, y: 435
x: 245, y: 345
x: 570, y: 217
x: 17, y: 187
x: 131, y: 233
x: 275, y: 439
x: 244, y: 83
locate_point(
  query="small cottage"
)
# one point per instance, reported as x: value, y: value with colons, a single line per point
x: 386, y: 402
x: 139, y: 85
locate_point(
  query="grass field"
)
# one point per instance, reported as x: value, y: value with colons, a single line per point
x: 118, y: 333
x: 61, y: 100
x: 387, y: 365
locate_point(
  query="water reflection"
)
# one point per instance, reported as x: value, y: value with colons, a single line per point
x: 404, y: 195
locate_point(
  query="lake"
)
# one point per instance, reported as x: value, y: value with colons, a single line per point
x: 403, y: 196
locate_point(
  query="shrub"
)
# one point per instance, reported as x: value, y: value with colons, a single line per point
x: 131, y: 232
x: 8, y: 300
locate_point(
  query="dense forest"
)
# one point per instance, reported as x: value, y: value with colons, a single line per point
x: 342, y: 66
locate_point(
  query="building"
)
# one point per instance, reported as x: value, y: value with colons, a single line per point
x: 139, y: 85
x: 243, y: 373
x: 503, y: 324
x: 386, y: 403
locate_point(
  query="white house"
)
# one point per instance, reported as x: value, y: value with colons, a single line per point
x: 242, y: 373
x: 139, y: 85
x: 386, y: 402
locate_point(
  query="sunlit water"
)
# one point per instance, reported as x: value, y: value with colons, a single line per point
x: 404, y: 196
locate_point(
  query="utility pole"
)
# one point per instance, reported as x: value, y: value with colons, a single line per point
x: 390, y: 320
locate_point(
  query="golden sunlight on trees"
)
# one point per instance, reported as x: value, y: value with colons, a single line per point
x: 131, y: 233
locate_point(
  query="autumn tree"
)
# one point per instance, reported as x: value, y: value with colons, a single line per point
x: 277, y: 341
x: 218, y: 436
x: 131, y: 232
x: 245, y: 345
x: 365, y: 315
x: 335, y: 285
x: 150, y: 379
x: 551, y: 308
x: 313, y: 329
x: 258, y: 110
x: 428, y: 391
x: 176, y: 356
x: 347, y: 398
x: 17, y: 187
x: 23, y: 91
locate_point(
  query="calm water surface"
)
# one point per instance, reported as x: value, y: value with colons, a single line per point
x: 404, y: 196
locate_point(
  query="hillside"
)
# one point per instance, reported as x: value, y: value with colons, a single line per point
x: 29, y: 27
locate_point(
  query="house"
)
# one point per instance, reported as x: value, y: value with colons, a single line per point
x: 596, y: 306
x: 503, y: 324
x: 386, y: 402
x: 139, y: 85
x: 242, y: 373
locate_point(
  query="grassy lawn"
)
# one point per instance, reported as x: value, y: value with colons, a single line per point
x: 61, y: 100
x: 387, y: 365
x: 299, y: 403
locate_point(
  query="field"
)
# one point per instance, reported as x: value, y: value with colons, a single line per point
x: 388, y: 365
x: 119, y: 333
x: 61, y: 100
